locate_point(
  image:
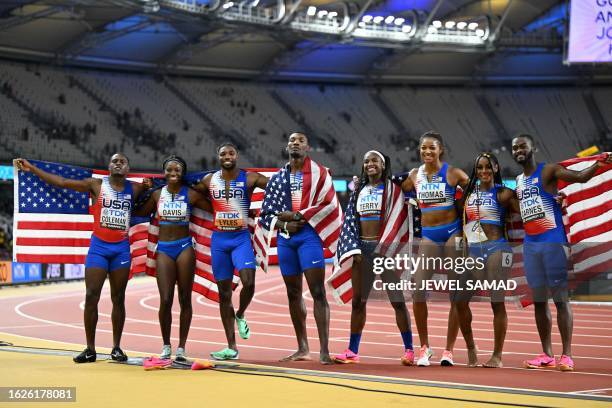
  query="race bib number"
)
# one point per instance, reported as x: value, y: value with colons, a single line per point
x: 115, y: 219
x: 506, y: 261
x: 229, y: 220
x: 432, y: 193
x: 532, y: 209
x: 474, y: 232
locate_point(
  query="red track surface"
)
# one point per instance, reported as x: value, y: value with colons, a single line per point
x: 59, y: 317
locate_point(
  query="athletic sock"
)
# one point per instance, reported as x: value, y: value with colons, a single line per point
x: 354, y: 342
x: 407, y: 338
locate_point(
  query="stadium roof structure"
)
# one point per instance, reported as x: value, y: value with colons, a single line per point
x: 365, y: 41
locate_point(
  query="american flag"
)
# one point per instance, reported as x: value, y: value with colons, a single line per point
x: 319, y: 205
x: 54, y: 225
x: 588, y: 220
x: 393, y: 239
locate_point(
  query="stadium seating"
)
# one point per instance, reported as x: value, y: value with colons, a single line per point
x: 149, y: 118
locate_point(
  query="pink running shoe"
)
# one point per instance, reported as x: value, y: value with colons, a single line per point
x: 447, y: 359
x: 408, y: 357
x: 348, y: 357
x: 154, y: 363
x: 566, y: 363
x: 541, y: 361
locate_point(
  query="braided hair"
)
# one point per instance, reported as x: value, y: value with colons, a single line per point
x: 474, y: 186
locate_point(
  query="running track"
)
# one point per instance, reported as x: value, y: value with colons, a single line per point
x: 58, y: 316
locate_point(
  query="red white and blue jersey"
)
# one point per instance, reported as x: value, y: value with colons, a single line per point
x: 174, y: 208
x: 296, y: 182
x: 231, y: 206
x: 437, y: 194
x: 483, y: 207
x: 112, y: 212
x: 540, y: 211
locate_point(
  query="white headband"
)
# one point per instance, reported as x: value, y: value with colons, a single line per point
x: 379, y: 154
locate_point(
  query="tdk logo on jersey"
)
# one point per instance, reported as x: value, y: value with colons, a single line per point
x: 528, y: 192
x: 116, y: 204
x: 225, y: 194
x: 228, y: 215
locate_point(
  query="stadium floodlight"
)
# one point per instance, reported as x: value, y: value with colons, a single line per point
x: 387, y: 28
x: 244, y: 11
x: 191, y: 6
x: 452, y: 32
x: 150, y: 6
x: 334, y: 19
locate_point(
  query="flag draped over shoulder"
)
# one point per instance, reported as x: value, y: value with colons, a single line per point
x: 393, y: 238
x: 53, y: 225
x: 319, y: 207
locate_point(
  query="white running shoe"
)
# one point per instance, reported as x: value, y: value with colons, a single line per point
x: 424, y: 355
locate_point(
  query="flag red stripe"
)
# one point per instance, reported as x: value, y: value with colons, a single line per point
x: 55, y: 225
x: 591, y: 192
x: 590, y: 232
x: 590, y: 213
x: 589, y: 250
x: 67, y: 242
x: 49, y: 258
